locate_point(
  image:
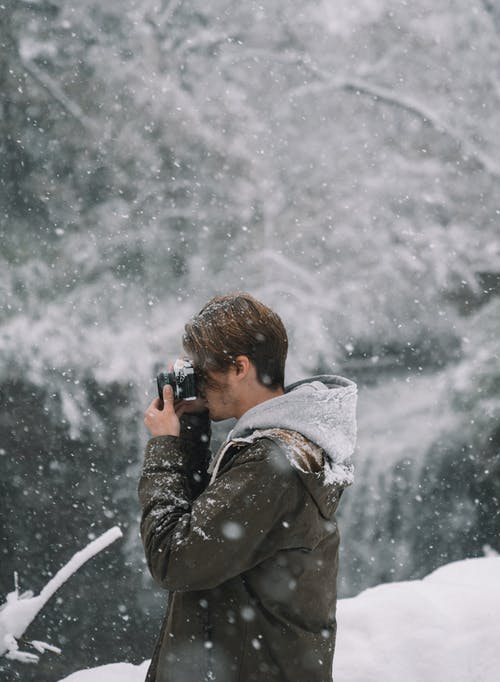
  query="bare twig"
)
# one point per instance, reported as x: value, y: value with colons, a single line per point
x: 56, y: 92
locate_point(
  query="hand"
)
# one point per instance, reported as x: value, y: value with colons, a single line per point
x: 163, y: 420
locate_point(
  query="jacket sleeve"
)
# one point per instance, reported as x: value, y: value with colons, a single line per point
x: 195, y: 440
x: 234, y: 524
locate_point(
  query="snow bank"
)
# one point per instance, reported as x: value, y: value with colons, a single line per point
x: 439, y: 629
x: 114, y: 672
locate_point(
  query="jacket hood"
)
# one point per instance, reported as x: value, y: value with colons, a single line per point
x: 323, y: 410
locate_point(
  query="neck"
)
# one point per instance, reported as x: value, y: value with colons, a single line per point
x: 257, y: 396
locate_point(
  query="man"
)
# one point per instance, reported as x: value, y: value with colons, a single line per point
x: 246, y: 543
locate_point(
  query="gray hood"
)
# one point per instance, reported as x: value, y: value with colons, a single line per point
x: 323, y: 409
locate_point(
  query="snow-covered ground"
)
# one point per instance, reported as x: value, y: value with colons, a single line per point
x: 444, y: 628
x: 114, y: 672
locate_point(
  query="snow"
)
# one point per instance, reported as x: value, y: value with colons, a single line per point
x: 441, y: 628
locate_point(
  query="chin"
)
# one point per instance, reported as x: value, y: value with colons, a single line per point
x: 217, y: 417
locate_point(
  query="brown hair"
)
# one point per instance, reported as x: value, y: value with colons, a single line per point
x: 238, y: 324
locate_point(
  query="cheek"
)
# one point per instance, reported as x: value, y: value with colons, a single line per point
x: 219, y: 395
x: 218, y: 398
x: 214, y: 396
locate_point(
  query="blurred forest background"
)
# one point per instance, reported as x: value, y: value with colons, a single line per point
x: 339, y: 160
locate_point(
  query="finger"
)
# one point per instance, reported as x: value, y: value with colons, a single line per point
x: 153, y: 406
x: 168, y: 396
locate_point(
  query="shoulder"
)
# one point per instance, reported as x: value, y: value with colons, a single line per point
x: 289, y: 446
x: 260, y: 451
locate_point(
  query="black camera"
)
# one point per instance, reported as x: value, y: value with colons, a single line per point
x: 182, y: 379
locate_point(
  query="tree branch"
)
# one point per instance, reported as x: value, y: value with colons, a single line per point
x: 56, y: 92
x: 419, y: 110
x: 493, y: 13
x: 168, y: 11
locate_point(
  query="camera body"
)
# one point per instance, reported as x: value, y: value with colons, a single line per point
x: 182, y: 378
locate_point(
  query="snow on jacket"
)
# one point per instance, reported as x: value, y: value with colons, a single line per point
x: 247, y: 545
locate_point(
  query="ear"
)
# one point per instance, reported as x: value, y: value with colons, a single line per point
x: 242, y: 366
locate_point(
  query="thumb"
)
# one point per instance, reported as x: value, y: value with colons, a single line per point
x: 168, y: 395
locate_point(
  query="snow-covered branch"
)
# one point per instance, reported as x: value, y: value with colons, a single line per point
x: 168, y: 11
x: 491, y: 9
x: 20, y: 609
x: 413, y: 106
x: 427, y: 116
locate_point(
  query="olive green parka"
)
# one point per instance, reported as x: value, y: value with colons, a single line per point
x: 249, y: 556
